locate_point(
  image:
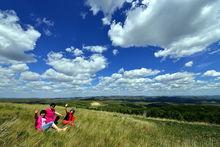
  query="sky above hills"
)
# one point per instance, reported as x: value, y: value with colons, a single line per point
x: 53, y: 48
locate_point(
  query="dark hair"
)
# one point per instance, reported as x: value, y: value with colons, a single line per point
x: 53, y: 104
x: 42, y: 111
x: 72, y: 110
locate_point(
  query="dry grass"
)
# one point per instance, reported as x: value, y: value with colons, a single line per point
x: 95, y: 128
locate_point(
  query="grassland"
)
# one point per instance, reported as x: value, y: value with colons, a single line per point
x: 104, y: 129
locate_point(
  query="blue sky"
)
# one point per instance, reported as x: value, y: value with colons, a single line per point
x: 116, y: 47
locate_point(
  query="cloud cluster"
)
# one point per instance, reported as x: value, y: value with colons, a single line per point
x: 29, y: 76
x: 9, y: 79
x: 144, y: 25
x: 108, y: 7
x: 55, y: 82
x: 69, y: 75
x: 179, y: 83
x: 75, y: 51
x: 95, y: 49
x: 66, y: 74
x: 45, y: 21
x: 16, y: 41
x: 125, y: 81
x: 181, y: 28
x: 46, y: 24
x: 78, y: 65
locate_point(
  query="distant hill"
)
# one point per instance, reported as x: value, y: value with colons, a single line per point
x: 173, y: 99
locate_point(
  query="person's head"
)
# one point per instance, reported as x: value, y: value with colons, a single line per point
x: 52, y: 105
x: 43, y: 113
x: 72, y: 111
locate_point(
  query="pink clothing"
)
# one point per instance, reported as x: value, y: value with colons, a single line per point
x: 43, y: 121
x: 50, y: 115
x: 38, y: 122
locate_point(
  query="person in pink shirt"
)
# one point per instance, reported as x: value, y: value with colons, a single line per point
x: 40, y: 122
x: 51, y: 114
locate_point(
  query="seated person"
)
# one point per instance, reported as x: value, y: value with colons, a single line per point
x: 69, y: 118
x: 51, y: 114
x: 40, y: 122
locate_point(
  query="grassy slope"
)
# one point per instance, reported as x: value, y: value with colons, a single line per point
x: 97, y: 128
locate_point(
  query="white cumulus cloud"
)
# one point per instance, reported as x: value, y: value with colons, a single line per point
x: 179, y: 77
x: 52, y: 75
x: 212, y: 73
x: 75, y: 51
x: 181, y: 28
x: 96, y: 48
x: 69, y: 75
x: 147, y: 82
x: 189, y: 64
x: 15, y: 41
x: 115, y: 52
x: 30, y: 76
x: 78, y: 52
x: 19, y: 67
x: 45, y: 21
x: 143, y: 72
x: 79, y: 65
x: 108, y: 7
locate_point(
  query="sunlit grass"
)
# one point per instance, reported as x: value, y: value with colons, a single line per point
x: 95, y: 128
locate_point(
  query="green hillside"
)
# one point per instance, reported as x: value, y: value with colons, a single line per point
x: 97, y: 128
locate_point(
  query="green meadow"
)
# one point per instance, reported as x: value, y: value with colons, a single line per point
x: 104, y: 129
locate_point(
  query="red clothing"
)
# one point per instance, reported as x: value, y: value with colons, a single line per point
x: 69, y: 119
x: 67, y: 122
x: 50, y: 115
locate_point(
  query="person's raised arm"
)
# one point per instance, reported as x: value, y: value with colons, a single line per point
x: 58, y: 113
x: 35, y: 113
x: 66, y: 108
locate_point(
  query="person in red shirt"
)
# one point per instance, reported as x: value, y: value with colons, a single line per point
x: 69, y: 118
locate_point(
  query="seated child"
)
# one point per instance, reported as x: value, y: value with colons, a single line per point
x: 41, y: 125
x: 69, y: 118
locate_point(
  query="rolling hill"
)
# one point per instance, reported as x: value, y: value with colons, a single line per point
x: 99, y: 128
